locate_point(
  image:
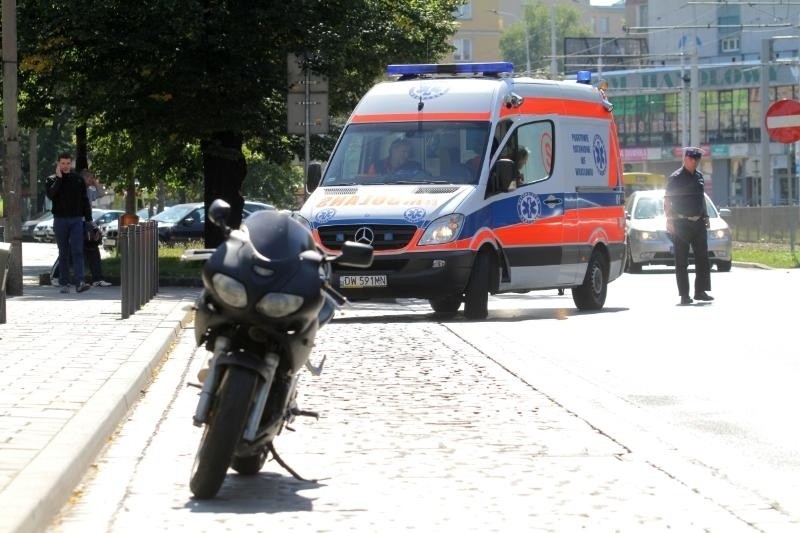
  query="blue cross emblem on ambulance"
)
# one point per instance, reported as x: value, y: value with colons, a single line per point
x: 415, y: 215
x: 529, y: 207
x: 599, y: 152
x: 325, y: 215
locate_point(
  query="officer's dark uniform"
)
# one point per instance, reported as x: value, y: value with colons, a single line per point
x: 689, y: 217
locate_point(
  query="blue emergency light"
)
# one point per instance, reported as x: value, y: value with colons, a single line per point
x: 584, y: 76
x: 499, y: 67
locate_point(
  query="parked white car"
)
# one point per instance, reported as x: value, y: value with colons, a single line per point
x: 44, y: 230
x: 649, y: 243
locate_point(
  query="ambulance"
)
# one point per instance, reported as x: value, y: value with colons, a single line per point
x: 468, y: 182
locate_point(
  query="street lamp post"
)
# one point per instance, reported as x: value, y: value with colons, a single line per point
x: 527, y: 37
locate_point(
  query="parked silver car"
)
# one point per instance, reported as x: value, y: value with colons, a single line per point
x: 29, y: 226
x: 649, y: 243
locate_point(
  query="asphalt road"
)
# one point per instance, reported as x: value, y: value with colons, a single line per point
x: 520, y: 419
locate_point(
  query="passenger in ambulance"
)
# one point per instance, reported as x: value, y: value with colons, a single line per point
x: 522, y: 160
x: 398, y: 162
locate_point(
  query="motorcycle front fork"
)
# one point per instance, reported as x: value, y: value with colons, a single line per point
x: 221, y: 345
x: 267, y: 373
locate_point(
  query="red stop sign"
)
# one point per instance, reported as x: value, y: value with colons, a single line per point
x: 783, y: 121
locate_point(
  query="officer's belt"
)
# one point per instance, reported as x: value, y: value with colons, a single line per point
x: 693, y: 218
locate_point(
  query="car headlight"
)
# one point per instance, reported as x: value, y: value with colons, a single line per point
x: 279, y: 304
x: 645, y: 235
x: 719, y: 233
x: 230, y: 291
x: 443, y: 230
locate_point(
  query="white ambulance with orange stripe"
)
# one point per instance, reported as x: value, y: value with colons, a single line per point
x: 469, y: 182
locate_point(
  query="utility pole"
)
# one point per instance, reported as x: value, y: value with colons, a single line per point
x: 13, y: 160
x: 553, y: 60
x: 766, y: 170
x: 694, y: 84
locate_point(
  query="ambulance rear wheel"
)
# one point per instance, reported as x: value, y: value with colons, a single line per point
x: 476, y: 297
x: 591, y: 294
x: 447, y: 305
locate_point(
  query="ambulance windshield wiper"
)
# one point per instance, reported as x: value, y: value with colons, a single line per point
x: 420, y: 182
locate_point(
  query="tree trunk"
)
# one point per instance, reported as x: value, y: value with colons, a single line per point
x: 224, y: 170
x: 81, y: 148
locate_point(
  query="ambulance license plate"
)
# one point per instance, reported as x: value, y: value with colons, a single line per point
x: 360, y: 282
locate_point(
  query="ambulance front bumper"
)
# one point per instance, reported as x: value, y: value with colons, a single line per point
x: 418, y: 275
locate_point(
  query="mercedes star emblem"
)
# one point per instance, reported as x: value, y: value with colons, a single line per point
x: 365, y: 235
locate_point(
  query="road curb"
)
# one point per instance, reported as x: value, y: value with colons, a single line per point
x: 742, y: 264
x: 44, y: 486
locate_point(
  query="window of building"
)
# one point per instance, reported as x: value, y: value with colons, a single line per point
x: 730, y: 44
x: 602, y: 25
x: 463, y: 12
x: 463, y: 50
x: 641, y: 15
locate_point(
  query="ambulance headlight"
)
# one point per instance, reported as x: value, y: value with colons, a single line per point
x: 443, y: 230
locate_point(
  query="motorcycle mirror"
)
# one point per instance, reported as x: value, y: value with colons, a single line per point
x: 218, y: 212
x: 355, y: 254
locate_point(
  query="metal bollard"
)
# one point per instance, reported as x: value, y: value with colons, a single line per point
x: 138, y: 249
x: 5, y: 261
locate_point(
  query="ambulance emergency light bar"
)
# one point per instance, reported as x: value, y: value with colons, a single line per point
x: 584, y: 76
x: 500, y: 67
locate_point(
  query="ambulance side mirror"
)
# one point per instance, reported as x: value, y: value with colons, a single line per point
x: 501, y: 177
x: 314, y: 176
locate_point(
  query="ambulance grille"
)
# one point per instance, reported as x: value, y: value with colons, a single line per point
x: 386, y: 237
x: 332, y: 191
x: 449, y: 189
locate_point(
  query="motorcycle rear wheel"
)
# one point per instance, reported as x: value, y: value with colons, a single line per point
x: 222, y: 432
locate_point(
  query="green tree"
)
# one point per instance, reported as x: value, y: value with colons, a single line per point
x: 537, y: 18
x: 212, y: 73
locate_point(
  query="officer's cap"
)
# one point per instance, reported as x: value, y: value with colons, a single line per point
x: 693, y: 152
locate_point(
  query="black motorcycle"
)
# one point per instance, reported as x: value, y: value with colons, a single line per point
x: 266, y: 293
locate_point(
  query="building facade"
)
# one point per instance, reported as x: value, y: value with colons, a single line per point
x: 653, y: 103
x: 482, y: 22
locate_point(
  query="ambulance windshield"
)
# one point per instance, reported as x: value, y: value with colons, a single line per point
x: 409, y: 152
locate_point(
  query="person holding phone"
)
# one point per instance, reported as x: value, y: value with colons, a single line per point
x: 71, y: 208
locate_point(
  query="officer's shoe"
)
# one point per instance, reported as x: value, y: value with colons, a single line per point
x: 685, y: 300
x: 703, y: 297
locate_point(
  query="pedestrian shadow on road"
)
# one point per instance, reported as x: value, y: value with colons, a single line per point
x: 266, y: 492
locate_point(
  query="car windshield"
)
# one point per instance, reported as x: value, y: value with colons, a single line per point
x: 174, y: 213
x: 649, y: 207
x: 711, y: 209
x: 408, y: 152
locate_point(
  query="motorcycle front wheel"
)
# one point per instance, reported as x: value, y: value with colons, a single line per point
x: 249, y: 465
x: 223, y: 431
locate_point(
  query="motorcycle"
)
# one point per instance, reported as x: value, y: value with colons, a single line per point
x: 266, y: 293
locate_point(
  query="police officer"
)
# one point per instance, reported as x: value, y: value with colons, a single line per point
x: 687, y: 223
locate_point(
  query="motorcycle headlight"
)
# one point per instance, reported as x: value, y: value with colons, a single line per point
x: 230, y: 291
x: 443, y: 230
x: 279, y: 304
x: 301, y: 219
